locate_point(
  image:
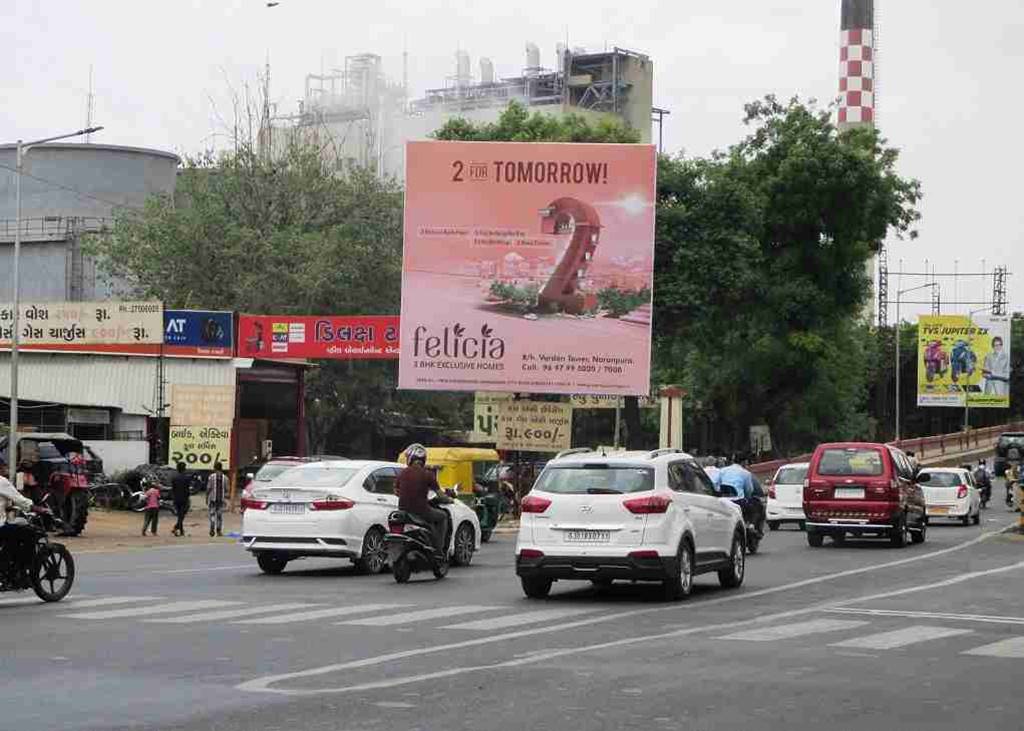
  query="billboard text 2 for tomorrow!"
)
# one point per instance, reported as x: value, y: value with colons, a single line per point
x: 528, y: 267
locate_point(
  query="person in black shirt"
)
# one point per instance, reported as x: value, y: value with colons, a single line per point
x: 180, y: 491
x: 415, y: 483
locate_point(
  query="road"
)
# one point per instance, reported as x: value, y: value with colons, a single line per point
x: 862, y: 636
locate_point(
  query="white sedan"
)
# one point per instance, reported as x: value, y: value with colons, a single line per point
x: 951, y: 493
x: 336, y: 510
x: 786, y: 495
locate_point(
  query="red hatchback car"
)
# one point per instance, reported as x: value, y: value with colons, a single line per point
x: 863, y: 489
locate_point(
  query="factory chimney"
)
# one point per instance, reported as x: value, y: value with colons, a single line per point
x: 857, y: 63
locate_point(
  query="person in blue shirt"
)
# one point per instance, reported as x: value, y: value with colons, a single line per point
x: 738, y: 478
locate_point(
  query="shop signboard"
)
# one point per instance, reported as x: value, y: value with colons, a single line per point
x: 193, y: 404
x: 486, y: 405
x: 534, y: 426
x: 200, y: 447
x: 361, y: 337
x: 110, y: 328
x: 528, y: 267
x: 964, y: 359
x: 198, y: 334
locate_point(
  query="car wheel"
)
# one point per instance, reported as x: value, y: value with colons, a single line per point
x: 271, y: 563
x: 462, y: 550
x: 919, y: 535
x: 966, y: 520
x: 680, y: 584
x: 815, y: 539
x: 899, y: 537
x: 977, y: 516
x: 536, y: 587
x: 773, y: 525
x: 374, y: 555
x: 732, y: 577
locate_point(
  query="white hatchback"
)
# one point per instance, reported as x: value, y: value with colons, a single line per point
x: 640, y: 516
x: 786, y: 495
x: 950, y: 493
x: 336, y: 510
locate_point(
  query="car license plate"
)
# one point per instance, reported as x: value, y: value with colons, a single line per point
x: 938, y: 510
x: 849, y: 493
x: 588, y: 536
x: 288, y: 508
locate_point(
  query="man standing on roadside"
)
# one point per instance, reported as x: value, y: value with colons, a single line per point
x: 216, y: 494
x: 180, y: 490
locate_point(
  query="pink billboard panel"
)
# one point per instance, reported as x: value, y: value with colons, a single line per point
x: 528, y: 267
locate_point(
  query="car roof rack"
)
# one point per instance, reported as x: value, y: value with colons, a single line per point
x: 575, y: 450
x: 662, y: 452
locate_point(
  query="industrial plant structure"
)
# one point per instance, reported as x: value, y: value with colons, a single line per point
x: 363, y: 118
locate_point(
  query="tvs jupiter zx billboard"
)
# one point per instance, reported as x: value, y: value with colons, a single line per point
x: 962, y: 358
x: 528, y: 267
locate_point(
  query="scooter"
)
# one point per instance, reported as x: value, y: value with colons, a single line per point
x: 410, y: 544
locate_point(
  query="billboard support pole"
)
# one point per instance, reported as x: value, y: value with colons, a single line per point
x: 618, y: 424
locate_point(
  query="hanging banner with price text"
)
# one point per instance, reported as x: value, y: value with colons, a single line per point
x: 110, y: 328
x: 534, y: 426
x: 200, y: 447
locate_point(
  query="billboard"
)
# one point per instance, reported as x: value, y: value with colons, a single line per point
x: 961, y: 358
x: 528, y: 267
x: 194, y: 404
x: 199, y: 334
x: 485, y: 416
x: 116, y: 328
x: 200, y: 447
x: 534, y: 426
x: 357, y: 337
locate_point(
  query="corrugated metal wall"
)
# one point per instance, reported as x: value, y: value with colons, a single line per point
x: 126, y: 383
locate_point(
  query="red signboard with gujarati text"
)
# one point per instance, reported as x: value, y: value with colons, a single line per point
x: 341, y: 337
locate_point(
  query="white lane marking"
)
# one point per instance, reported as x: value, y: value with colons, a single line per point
x: 1013, y: 647
x: 387, y: 620
x: 264, y: 684
x: 208, y: 568
x: 789, y: 631
x: 107, y: 601
x: 986, y: 618
x: 231, y: 613
x: 22, y: 601
x: 323, y: 613
x: 517, y: 620
x: 155, y: 609
x: 900, y: 637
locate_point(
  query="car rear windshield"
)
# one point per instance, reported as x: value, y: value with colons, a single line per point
x: 596, y: 479
x: 851, y: 461
x: 269, y: 471
x: 313, y: 476
x: 791, y: 476
x: 1012, y: 440
x: 943, y: 479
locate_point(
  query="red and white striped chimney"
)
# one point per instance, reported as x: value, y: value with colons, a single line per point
x: 857, y: 63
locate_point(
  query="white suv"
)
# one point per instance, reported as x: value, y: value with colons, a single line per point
x: 641, y: 516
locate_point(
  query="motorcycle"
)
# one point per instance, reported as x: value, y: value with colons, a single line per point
x: 754, y: 518
x: 50, y: 569
x: 410, y: 544
x: 137, y: 500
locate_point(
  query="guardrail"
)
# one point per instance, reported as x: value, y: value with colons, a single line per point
x: 924, y: 448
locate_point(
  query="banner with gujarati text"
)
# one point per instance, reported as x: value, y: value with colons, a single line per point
x: 362, y: 337
x: 109, y: 328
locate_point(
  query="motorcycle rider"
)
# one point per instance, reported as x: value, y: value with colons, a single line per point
x: 15, y: 534
x: 414, y: 485
x: 983, y: 480
x: 747, y: 492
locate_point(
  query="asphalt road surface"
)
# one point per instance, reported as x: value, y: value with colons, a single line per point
x: 862, y: 636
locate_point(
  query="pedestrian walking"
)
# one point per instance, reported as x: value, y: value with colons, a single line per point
x: 181, y: 492
x: 216, y: 494
x: 152, y: 508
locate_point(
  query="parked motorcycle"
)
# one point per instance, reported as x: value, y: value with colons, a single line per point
x: 49, y: 569
x: 410, y: 545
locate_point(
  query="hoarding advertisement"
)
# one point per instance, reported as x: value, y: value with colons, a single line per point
x: 962, y: 358
x: 198, y: 334
x: 113, y: 328
x: 485, y: 416
x: 528, y: 267
x: 329, y: 337
x: 200, y: 447
x: 534, y: 426
x: 195, y: 404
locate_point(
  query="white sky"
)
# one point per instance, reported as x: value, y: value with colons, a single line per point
x: 948, y: 80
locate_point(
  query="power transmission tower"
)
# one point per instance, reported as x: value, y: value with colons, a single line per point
x: 999, y: 291
x: 883, y: 287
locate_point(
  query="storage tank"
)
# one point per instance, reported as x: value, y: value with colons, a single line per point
x: 486, y: 71
x: 532, y: 56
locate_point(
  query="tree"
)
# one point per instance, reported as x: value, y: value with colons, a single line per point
x: 516, y: 124
x: 760, y: 278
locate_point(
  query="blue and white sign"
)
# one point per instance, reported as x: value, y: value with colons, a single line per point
x: 198, y: 334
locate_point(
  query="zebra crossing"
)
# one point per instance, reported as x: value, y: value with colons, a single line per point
x: 844, y: 628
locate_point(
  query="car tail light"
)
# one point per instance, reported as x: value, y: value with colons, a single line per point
x: 644, y: 554
x: 534, y: 504
x: 771, y: 490
x: 961, y: 492
x: 648, y: 505
x: 249, y: 503
x: 335, y: 504
x: 531, y: 553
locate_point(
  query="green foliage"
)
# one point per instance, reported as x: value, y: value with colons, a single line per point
x: 619, y: 302
x: 516, y: 124
x: 760, y: 275
x: 522, y: 297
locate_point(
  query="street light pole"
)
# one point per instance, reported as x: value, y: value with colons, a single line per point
x: 22, y: 150
x: 900, y: 294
